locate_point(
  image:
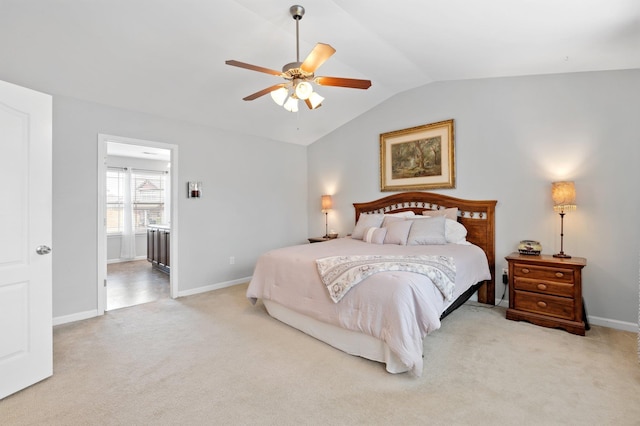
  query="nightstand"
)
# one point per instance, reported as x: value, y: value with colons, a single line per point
x: 318, y: 239
x: 547, y: 291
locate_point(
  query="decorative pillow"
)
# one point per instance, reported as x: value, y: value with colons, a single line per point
x: 366, y: 221
x: 374, y: 235
x: 397, y: 232
x: 390, y: 219
x: 450, y: 213
x: 454, y: 231
x: 427, y: 231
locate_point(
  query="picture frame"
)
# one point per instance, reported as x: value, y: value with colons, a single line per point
x: 418, y: 158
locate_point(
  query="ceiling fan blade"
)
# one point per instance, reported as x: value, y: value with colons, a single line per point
x: 253, y: 67
x: 320, y: 53
x: 263, y: 92
x: 343, y: 82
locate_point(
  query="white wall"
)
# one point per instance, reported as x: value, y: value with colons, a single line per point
x: 254, y: 198
x: 513, y: 137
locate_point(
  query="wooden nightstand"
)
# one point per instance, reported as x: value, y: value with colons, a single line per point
x: 547, y: 291
x: 317, y: 239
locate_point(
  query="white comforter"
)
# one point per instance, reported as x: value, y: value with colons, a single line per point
x: 399, y: 308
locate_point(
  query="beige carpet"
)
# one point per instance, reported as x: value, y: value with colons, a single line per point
x: 215, y: 359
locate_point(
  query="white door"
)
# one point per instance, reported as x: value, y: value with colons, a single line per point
x: 26, y: 350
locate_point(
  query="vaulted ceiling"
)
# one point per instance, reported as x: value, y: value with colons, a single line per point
x: 168, y: 57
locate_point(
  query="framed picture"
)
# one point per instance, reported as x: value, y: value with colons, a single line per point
x: 418, y: 158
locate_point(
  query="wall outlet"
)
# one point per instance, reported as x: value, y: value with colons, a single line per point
x: 505, y: 271
x: 232, y: 260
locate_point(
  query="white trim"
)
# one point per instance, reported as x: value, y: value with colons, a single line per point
x: 212, y: 287
x: 110, y: 261
x: 610, y: 323
x: 102, y: 223
x: 102, y: 234
x: 75, y: 317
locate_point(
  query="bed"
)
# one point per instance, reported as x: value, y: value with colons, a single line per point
x: 386, y: 315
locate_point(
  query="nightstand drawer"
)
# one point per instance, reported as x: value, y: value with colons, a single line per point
x: 536, y: 272
x: 545, y: 287
x: 553, y: 306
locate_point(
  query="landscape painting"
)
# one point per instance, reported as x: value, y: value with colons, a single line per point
x: 418, y: 158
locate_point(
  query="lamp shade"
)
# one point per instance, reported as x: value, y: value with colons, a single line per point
x: 291, y: 105
x: 304, y: 90
x: 563, y: 195
x: 327, y: 202
x: 280, y: 95
x: 314, y: 101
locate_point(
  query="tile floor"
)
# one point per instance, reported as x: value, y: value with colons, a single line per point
x: 133, y: 283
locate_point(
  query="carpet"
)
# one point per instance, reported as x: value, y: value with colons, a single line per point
x: 214, y: 359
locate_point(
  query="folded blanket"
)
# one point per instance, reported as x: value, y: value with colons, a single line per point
x: 340, y: 273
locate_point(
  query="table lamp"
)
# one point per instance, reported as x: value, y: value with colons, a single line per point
x: 327, y: 204
x: 563, y: 195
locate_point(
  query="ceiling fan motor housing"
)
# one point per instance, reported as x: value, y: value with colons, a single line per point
x: 297, y: 12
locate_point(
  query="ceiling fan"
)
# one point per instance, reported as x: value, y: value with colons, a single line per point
x: 300, y: 75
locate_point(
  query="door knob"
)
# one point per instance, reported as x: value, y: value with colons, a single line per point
x: 43, y: 249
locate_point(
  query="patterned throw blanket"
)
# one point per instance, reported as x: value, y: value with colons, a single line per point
x: 340, y: 273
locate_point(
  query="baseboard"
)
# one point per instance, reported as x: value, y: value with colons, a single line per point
x: 618, y: 325
x: 211, y: 287
x: 109, y: 261
x: 599, y: 321
x: 603, y: 322
x: 75, y: 317
x: 94, y: 313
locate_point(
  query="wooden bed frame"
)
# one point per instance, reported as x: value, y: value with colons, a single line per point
x: 477, y: 216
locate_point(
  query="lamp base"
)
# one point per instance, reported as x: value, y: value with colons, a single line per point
x: 561, y: 255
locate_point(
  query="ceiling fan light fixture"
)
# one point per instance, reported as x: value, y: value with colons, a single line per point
x: 291, y: 105
x: 304, y: 89
x: 280, y: 95
x: 314, y: 101
x: 300, y: 74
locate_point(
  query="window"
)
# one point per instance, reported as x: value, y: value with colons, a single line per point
x: 147, y: 194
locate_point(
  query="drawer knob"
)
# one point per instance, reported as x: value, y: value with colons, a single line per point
x: 559, y: 274
x: 542, y: 304
x: 542, y: 286
x: 525, y: 271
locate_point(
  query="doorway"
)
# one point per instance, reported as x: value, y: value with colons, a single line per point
x: 137, y: 190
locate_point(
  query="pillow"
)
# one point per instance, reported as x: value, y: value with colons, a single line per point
x: 454, y: 231
x: 409, y: 213
x: 450, y: 213
x: 427, y: 231
x: 366, y: 221
x: 397, y: 232
x: 374, y: 235
x: 390, y: 219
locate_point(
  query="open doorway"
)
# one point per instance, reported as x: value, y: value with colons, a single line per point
x: 137, y: 189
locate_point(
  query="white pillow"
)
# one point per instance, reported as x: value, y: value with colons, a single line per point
x: 366, y: 221
x: 397, y: 232
x: 374, y: 235
x: 455, y: 232
x: 429, y: 230
x: 409, y: 213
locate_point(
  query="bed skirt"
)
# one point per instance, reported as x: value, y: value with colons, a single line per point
x: 348, y: 341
